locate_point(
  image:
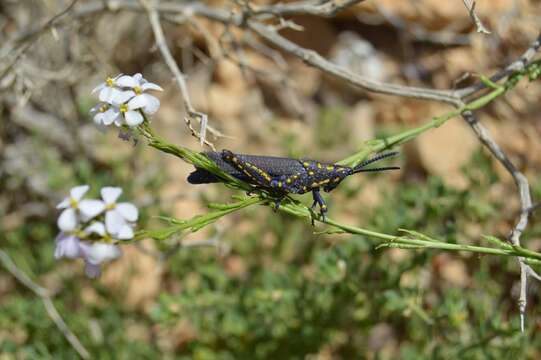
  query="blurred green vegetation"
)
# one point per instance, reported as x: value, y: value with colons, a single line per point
x: 296, y: 294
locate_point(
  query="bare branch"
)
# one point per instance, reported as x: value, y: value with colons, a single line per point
x: 28, y: 39
x: 470, y: 5
x: 314, y: 59
x: 179, y: 76
x: 317, y: 8
x: 43, y: 294
x: 525, y: 201
x: 517, y: 65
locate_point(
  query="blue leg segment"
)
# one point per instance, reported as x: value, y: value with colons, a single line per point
x: 318, y: 200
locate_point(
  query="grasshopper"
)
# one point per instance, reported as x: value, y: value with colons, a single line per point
x: 280, y: 176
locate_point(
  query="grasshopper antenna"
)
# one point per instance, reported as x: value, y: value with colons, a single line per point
x: 360, y: 168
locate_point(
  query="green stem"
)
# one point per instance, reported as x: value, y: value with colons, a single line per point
x: 412, y: 239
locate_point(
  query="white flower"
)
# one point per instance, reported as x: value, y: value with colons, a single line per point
x: 67, y: 245
x: 68, y: 219
x: 104, y: 114
x: 148, y: 103
x: 96, y: 253
x: 131, y: 115
x: 96, y: 228
x: 118, y: 217
x: 108, y: 90
x: 122, y: 100
x: 77, y: 209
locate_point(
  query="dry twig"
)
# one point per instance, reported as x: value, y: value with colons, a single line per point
x: 43, y: 294
x: 179, y: 76
x: 470, y: 5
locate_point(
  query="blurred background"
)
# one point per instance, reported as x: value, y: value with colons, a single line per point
x: 271, y: 287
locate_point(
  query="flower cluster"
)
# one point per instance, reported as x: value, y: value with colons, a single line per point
x: 91, y: 228
x: 123, y: 100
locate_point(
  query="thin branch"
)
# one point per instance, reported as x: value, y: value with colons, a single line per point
x: 517, y: 65
x: 316, y: 8
x: 270, y: 34
x: 29, y: 38
x: 43, y: 294
x: 470, y: 5
x: 525, y: 201
x: 314, y: 59
x: 179, y: 76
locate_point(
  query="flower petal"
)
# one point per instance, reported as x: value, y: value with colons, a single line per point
x: 106, y: 93
x: 128, y: 211
x: 125, y: 233
x: 120, y: 97
x: 139, y: 78
x: 153, y: 104
x: 151, y: 86
x: 96, y: 228
x: 114, y: 222
x: 119, y: 121
x: 109, y: 194
x: 99, y: 118
x: 126, y: 81
x: 64, y: 203
x: 133, y: 118
x: 67, y: 221
x: 110, y: 115
x: 137, y: 102
x: 67, y: 246
x: 92, y: 271
x: 78, y: 192
x: 98, y: 88
x: 98, y: 252
x: 91, y: 208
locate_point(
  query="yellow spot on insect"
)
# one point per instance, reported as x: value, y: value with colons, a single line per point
x: 288, y: 181
x: 319, y: 165
x: 315, y: 184
x: 324, y: 181
x: 330, y: 167
x: 280, y: 184
x: 336, y: 179
x: 323, y: 206
x: 235, y: 159
x: 306, y: 164
x: 304, y: 188
x: 311, y: 173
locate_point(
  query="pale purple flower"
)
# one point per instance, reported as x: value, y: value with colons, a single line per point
x: 95, y: 253
x: 67, y: 245
x: 90, y: 228
x: 118, y: 216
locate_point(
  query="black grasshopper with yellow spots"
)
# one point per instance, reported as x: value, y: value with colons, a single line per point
x: 280, y: 176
